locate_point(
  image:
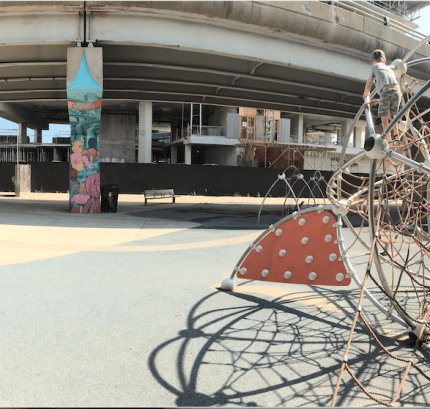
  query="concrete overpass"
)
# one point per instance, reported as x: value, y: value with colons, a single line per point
x: 302, y: 58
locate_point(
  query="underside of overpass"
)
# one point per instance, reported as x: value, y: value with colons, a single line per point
x: 308, y: 58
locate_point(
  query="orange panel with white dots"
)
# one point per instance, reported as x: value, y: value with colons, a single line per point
x: 299, y: 251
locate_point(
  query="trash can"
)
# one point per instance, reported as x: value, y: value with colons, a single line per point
x: 109, y: 198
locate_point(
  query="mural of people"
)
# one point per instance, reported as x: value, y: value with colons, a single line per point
x: 81, y: 163
x: 88, y: 201
x: 92, y: 150
x: 84, y: 96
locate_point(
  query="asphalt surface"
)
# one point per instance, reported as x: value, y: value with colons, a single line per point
x: 125, y: 309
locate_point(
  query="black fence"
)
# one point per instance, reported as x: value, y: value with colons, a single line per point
x: 184, y: 179
x: 7, y: 171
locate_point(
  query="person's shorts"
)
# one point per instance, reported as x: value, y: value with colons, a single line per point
x: 389, y: 102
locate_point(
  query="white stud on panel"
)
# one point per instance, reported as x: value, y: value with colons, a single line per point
x: 332, y: 257
x: 312, y: 276
x: 290, y: 249
x: 326, y: 219
x: 243, y: 270
x: 339, y: 277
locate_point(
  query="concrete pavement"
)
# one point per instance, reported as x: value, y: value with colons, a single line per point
x: 124, y: 309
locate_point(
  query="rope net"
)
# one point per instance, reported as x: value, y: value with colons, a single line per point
x: 397, y: 239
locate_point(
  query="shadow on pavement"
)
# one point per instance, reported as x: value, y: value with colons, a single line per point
x: 259, y: 352
x: 217, y: 216
x: 207, y: 216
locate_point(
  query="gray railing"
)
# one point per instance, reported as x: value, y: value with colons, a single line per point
x: 370, y: 11
x: 208, y: 130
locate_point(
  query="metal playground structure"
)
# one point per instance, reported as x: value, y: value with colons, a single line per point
x: 392, y: 204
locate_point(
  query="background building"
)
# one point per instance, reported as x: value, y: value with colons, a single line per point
x: 203, y: 83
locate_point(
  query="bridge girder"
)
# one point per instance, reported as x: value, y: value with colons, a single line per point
x: 174, y: 53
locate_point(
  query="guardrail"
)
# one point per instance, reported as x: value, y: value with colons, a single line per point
x: 8, y: 136
x: 208, y: 130
x: 370, y: 12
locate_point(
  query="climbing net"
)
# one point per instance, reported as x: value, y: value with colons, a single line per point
x: 392, y: 206
x: 388, y: 213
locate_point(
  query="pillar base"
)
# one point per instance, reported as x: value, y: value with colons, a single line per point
x: 22, y: 180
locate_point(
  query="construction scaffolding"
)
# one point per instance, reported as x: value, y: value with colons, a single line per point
x: 282, y: 155
x: 402, y: 8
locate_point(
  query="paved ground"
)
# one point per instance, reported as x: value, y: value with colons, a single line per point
x: 124, y: 309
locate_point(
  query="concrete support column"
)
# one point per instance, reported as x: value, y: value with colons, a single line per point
x: 188, y: 154
x: 175, y: 129
x: 300, y: 129
x: 345, y: 138
x: 145, y: 132
x: 327, y: 138
x: 22, y: 131
x: 38, y: 136
x: 174, y: 154
x: 84, y: 83
x: 56, y: 155
x: 22, y: 180
x: 358, y: 131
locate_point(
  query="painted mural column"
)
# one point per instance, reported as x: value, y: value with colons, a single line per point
x: 84, y: 95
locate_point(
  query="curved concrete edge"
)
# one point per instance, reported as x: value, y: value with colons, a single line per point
x: 313, y: 20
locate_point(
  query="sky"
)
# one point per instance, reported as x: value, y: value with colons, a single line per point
x: 54, y: 129
x: 424, y: 21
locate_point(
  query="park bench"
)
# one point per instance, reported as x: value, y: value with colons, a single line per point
x: 159, y: 194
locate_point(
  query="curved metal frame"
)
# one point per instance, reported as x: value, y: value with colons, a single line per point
x: 404, y: 320
x: 295, y: 175
x: 338, y: 202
